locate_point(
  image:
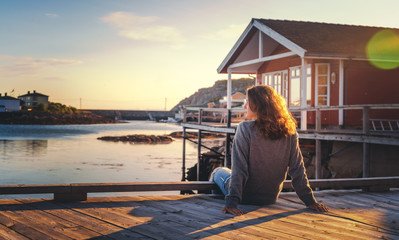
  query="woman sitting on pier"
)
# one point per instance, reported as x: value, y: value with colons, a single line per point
x: 265, y: 149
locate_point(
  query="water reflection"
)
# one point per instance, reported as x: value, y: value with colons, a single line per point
x: 29, y: 147
x: 51, y: 155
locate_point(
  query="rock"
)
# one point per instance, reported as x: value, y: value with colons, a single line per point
x: 139, y: 138
x: 215, y: 93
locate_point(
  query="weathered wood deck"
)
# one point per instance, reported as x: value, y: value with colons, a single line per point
x: 354, y: 215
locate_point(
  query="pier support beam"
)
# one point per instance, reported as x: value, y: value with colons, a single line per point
x: 183, y: 168
x: 318, y: 160
x: 199, y: 155
x: 366, y: 160
x: 227, y: 155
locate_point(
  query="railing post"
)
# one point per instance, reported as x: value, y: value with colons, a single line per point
x: 227, y: 156
x: 366, y: 119
x: 318, y: 159
x: 228, y: 117
x: 318, y: 119
x: 183, y: 178
x: 199, y: 154
x: 366, y: 159
x: 366, y: 146
x: 185, y: 115
x: 200, y: 116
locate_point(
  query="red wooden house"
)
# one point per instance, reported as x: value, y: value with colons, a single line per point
x: 319, y: 64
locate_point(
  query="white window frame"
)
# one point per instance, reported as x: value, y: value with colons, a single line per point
x: 308, y: 84
x: 283, y: 74
x: 317, y: 83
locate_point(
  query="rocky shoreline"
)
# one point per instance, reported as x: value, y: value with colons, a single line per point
x: 139, y: 138
x: 48, y: 118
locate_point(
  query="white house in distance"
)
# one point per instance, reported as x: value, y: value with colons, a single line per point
x: 237, y: 98
x: 9, y: 104
x: 33, y: 99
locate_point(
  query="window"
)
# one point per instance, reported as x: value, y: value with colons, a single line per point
x: 295, y: 86
x: 322, y: 84
x: 278, y: 81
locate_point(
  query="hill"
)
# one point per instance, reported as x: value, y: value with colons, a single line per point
x: 213, y: 94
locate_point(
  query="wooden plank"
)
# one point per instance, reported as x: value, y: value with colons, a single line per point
x: 196, y: 220
x: 38, y: 220
x: 334, y: 227
x: 21, y: 228
x: 141, y: 225
x: 299, y: 219
x: 167, y: 218
x: 364, y: 216
x: 7, y: 233
x: 246, y: 223
x: 83, y: 220
x: 164, y: 203
x: 33, y: 189
x: 277, y: 217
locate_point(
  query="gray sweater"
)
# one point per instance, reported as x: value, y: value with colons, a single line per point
x: 260, y: 166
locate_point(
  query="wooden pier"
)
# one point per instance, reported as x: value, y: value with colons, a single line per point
x: 370, y: 131
x: 353, y: 215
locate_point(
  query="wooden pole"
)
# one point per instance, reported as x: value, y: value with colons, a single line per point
x: 227, y: 156
x: 366, y: 146
x: 200, y: 116
x: 318, y: 120
x: 183, y: 169
x: 318, y: 160
x: 366, y: 117
x: 199, y: 154
x: 366, y: 160
x: 185, y: 115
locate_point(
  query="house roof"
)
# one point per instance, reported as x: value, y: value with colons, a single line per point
x: 312, y: 39
x: 33, y: 94
x: 7, y: 98
x: 326, y: 39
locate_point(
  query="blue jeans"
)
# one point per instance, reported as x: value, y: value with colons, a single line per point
x: 221, y: 176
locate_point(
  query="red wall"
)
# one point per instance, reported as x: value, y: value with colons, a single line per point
x: 363, y: 84
x: 366, y: 84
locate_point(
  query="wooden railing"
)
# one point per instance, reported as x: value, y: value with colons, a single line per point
x: 366, y: 121
x: 78, y: 191
x: 221, y: 115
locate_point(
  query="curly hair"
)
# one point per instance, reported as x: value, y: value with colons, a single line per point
x: 273, y: 118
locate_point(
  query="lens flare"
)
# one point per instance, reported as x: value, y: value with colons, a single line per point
x: 383, y: 49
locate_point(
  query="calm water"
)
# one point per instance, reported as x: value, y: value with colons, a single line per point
x: 72, y: 154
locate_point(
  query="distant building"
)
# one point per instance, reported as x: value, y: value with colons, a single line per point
x: 9, y: 104
x: 33, y: 99
x: 237, y: 99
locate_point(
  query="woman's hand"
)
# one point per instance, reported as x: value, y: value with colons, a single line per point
x: 318, y: 206
x: 233, y: 210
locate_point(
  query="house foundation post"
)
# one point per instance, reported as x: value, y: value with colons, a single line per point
x: 183, y: 168
x: 199, y: 154
x: 227, y: 155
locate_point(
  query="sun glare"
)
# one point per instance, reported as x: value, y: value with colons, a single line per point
x: 383, y: 49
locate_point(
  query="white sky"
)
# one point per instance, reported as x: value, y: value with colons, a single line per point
x: 127, y: 54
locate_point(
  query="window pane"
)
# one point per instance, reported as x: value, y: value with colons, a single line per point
x: 322, y: 69
x: 322, y: 80
x: 322, y: 90
x: 295, y: 92
x: 322, y: 101
x: 308, y: 71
